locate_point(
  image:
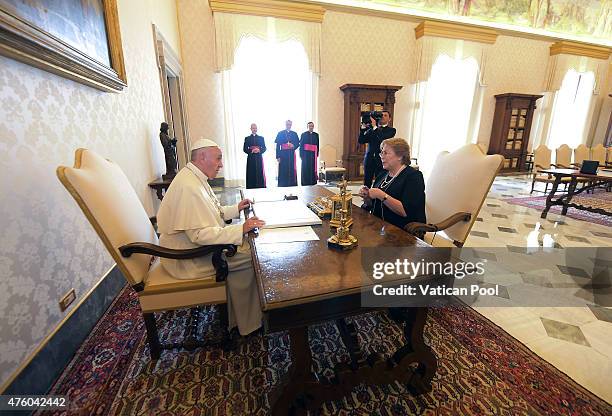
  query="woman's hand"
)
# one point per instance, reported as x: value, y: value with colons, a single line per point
x: 251, y: 224
x: 364, y: 192
x: 376, y: 193
x: 244, y: 204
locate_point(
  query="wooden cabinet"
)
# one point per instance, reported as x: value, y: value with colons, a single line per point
x: 358, y: 99
x: 511, y: 129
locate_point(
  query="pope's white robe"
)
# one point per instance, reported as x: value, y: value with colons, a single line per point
x: 189, y: 217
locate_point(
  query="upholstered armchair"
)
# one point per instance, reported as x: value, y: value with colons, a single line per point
x: 456, y: 189
x: 581, y: 153
x: 541, y: 161
x: 599, y: 153
x: 329, y: 170
x: 563, y: 156
x: 112, y: 207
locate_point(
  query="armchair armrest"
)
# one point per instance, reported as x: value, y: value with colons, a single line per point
x: 418, y: 229
x: 219, y: 263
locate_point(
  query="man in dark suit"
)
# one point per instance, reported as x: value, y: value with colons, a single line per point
x: 373, y: 135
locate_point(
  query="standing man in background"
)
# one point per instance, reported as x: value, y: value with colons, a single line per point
x: 373, y: 134
x: 286, y: 143
x: 254, y: 147
x: 309, y: 151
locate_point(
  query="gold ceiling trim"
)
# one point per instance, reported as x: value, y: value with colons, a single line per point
x: 455, y: 31
x: 580, y: 49
x: 271, y: 8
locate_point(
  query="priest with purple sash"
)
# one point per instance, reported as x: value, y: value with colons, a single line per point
x: 286, y: 143
x: 309, y: 152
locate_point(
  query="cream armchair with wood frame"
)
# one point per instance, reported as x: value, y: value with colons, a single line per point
x: 581, y: 153
x: 541, y: 161
x: 599, y: 153
x: 563, y: 157
x: 329, y: 169
x: 111, y: 205
x: 456, y: 189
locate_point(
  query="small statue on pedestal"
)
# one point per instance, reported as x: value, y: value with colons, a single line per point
x: 169, y: 151
x: 342, y: 239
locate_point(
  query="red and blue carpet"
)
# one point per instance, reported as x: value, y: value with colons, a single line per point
x: 599, y: 199
x: 481, y: 370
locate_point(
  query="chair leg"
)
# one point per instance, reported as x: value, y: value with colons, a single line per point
x: 546, y: 188
x: 152, y: 335
x: 532, y: 184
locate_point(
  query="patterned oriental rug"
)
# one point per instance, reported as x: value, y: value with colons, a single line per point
x: 600, y: 199
x: 482, y: 370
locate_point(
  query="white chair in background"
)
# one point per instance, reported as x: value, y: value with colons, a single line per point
x: 330, y: 168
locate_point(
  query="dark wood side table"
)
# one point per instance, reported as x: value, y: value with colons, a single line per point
x: 160, y: 186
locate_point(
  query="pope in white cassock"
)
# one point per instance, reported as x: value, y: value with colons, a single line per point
x: 191, y: 215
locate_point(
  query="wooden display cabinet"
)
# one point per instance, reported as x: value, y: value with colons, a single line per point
x: 358, y: 99
x: 511, y: 129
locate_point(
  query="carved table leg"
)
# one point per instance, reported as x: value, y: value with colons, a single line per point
x: 549, y: 200
x: 299, y: 373
x: 416, y: 350
x: 570, y: 193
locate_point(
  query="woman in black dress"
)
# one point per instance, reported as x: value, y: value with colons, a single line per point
x: 398, y: 195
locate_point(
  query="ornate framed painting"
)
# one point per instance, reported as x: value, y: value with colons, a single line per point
x: 77, y: 39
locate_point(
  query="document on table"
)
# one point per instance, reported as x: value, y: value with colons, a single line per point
x: 286, y: 235
x: 280, y: 214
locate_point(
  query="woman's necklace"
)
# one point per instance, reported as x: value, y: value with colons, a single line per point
x: 389, y: 180
x: 384, y: 185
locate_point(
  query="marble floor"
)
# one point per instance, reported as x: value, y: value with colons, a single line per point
x: 572, y: 333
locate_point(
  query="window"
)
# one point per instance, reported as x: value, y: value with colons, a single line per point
x: 269, y: 83
x: 570, y: 110
x: 447, y: 104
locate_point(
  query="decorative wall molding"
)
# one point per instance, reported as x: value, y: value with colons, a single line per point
x: 272, y: 8
x: 579, y: 49
x: 455, y: 31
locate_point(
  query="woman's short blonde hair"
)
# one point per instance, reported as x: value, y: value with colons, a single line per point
x: 400, y: 147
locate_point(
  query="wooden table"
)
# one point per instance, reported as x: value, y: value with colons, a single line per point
x: 602, y: 177
x: 304, y: 283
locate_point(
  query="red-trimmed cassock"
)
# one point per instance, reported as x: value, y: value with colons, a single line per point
x: 309, y: 152
x: 287, y: 174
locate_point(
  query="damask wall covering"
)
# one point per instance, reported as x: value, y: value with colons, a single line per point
x: 47, y: 246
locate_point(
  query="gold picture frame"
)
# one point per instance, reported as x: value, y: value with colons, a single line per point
x: 34, y: 33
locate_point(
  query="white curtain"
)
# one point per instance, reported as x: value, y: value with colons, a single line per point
x: 269, y: 83
x: 231, y: 29
x: 571, y: 109
x: 560, y: 64
x: 270, y: 69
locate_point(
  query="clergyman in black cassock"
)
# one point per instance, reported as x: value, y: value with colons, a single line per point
x: 374, y: 136
x: 286, y: 143
x: 309, y: 152
x: 254, y: 147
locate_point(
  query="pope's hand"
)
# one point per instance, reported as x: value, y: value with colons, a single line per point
x: 243, y: 204
x: 251, y: 224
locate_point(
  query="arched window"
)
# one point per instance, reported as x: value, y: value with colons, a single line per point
x: 570, y: 109
x: 269, y: 83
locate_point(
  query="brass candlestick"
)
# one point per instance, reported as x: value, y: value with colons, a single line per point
x: 342, y: 239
